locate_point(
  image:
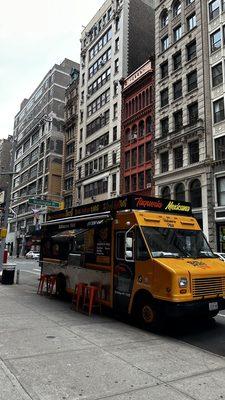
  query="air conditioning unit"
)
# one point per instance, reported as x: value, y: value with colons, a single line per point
x: 149, y: 185
x: 88, y: 96
x: 101, y: 147
x: 93, y: 198
x: 88, y: 153
x: 102, y: 62
x: 133, y: 136
x: 94, y: 171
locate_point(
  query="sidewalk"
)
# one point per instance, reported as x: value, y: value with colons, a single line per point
x: 49, y: 352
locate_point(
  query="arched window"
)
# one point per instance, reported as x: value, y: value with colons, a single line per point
x: 176, y: 8
x: 180, y: 192
x: 134, y: 132
x: 127, y: 135
x: 143, y: 99
x: 141, y: 128
x: 149, y: 124
x: 165, y: 192
x: 196, y: 193
x: 164, y: 18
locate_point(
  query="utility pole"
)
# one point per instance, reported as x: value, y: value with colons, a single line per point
x: 7, y: 202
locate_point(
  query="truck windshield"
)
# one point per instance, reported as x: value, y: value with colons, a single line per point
x: 177, y: 243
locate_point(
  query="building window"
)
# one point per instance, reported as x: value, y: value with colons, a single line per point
x: 165, y: 43
x: 164, y: 69
x: 127, y: 160
x: 141, y: 128
x: 117, y: 45
x: 221, y: 191
x: 165, y: 193
x: 214, y: 9
x: 164, y: 158
x: 98, y: 83
x: 113, y: 182
x: 134, y: 157
x: 100, y: 44
x: 191, y: 50
x: 133, y: 183
x: 164, y: 19
x: 141, y: 180
x: 215, y: 40
x: 99, y: 63
x: 193, y: 113
x: 148, y: 151
x: 164, y: 123
x: 177, y: 32
x: 191, y: 22
x: 177, y: 89
x: 176, y: 8
x: 180, y: 192
x: 80, y: 153
x: 196, y: 193
x: 98, y: 103
x: 127, y: 184
x: 178, y: 120
x: 178, y: 157
x: 193, y: 151
x: 220, y: 148
x: 149, y: 124
x: 115, y: 111
x: 114, y: 133
x: 177, y: 62
x: 218, y: 110
x: 141, y: 153
x: 164, y: 94
x: 217, y: 74
x: 116, y: 66
x: 148, y: 178
x: 192, y: 81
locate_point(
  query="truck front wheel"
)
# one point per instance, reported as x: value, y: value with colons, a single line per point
x: 147, y: 313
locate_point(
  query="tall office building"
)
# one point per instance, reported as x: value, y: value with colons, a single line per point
x: 70, y: 139
x: 183, y: 135
x: 118, y: 39
x: 216, y: 32
x: 38, y: 132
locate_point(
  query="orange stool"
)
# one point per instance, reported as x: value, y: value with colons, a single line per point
x: 78, y: 294
x: 51, y: 283
x: 92, y: 298
x: 42, y: 280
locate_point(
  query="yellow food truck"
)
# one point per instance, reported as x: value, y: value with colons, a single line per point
x: 149, y: 255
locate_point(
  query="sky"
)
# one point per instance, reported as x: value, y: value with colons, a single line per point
x: 35, y: 35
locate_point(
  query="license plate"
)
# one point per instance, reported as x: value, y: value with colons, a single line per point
x: 213, y: 306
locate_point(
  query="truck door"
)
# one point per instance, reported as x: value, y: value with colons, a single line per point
x: 124, y: 270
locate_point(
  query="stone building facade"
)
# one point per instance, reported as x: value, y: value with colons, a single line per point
x: 216, y: 21
x: 118, y: 39
x: 183, y: 134
x: 70, y: 140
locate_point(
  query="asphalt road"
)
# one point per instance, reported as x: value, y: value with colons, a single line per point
x: 205, y: 334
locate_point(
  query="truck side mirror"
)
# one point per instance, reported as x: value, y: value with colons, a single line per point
x: 129, y: 247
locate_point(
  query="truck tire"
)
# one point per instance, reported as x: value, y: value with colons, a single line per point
x: 147, y: 314
x: 61, y: 286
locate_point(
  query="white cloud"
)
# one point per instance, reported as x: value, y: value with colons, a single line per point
x: 34, y: 35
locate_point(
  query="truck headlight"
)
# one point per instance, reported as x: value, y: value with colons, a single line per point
x: 183, y: 282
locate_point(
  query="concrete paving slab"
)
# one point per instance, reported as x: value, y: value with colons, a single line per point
x: 159, y: 392
x: 108, y: 334
x: 88, y: 374
x: 167, y: 360
x: 10, y: 387
x: 208, y: 386
x: 39, y: 340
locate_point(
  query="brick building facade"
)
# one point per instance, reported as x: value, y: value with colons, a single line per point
x: 137, y: 131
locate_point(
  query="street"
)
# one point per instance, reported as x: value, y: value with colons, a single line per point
x: 50, y: 352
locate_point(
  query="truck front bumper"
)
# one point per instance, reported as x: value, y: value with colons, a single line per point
x: 192, y: 308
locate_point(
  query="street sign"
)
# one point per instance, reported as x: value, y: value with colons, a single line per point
x: 47, y: 203
x: 2, y: 197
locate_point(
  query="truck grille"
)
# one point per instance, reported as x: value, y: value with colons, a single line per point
x: 208, y: 286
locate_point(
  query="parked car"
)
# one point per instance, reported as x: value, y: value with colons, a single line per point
x: 34, y: 255
x: 221, y: 256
